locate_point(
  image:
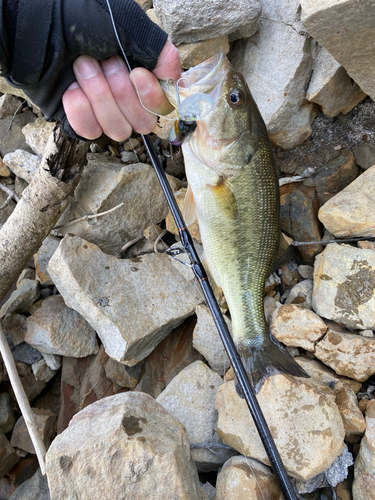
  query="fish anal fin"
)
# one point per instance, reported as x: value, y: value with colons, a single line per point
x: 268, y: 359
x: 225, y: 198
x: 189, y: 208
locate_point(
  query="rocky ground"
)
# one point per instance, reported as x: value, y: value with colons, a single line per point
x: 131, y: 388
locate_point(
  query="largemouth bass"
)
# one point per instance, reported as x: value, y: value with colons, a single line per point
x: 234, y: 191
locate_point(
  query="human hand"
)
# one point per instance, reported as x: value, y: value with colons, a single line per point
x: 106, y: 98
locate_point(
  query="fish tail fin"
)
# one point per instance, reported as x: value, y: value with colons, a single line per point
x: 260, y: 362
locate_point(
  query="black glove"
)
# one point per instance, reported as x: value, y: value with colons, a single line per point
x: 40, y: 39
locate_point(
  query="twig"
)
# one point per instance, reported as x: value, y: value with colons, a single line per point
x: 9, y: 192
x: 131, y: 243
x: 88, y: 217
x: 11, y: 121
x: 159, y: 239
x: 325, y: 242
x: 6, y: 203
x: 22, y: 400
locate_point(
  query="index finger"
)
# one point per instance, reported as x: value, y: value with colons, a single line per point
x: 168, y: 65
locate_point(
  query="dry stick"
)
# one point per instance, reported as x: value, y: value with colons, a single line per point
x: 93, y: 216
x: 22, y: 401
x: 9, y: 192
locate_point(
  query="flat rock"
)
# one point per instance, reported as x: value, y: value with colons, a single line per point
x: 277, y: 64
x: 346, y: 29
x: 22, y: 298
x: 317, y: 370
x: 206, y: 340
x: 350, y: 213
x: 42, y: 258
x: 106, y: 182
x: 347, y: 354
x: 192, y: 54
x: 23, y: 164
x: 37, y: 134
x: 7, y: 417
x: 331, y: 87
x: 296, y: 411
x: 365, y: 155
x: 196, y: 21
x: 4, y: 170
x: 35, y: 488
x: 14, y: 138
x: 364, y: 466
x: 352, y: 417
x: 54, y: 328
x: 207, y: 491
x: 9, y: 105
x: 301, y: 294
x: 8, y: 455
x: 132, y: 304
x: 44, y: 421
x: 122, y: 375
x: 244, y: 478
x: 170, y: 223
x: 344, y: 286
x: 190, y: 398
x: 298, y: 327
x: 15, y: 326
x: 42, y: 371
x: 128, y: 446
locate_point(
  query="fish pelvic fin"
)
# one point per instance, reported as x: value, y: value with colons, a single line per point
x: 189, y: 208
x: 268, y: 359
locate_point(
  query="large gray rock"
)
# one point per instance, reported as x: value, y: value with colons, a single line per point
x: 277, y: 64
x: 13, y: 138
x: 123, y: 446
x: 23, y: 164
x: 190, y: 397
x: 106, y: 182
x: 351, y: 212
x: 37, y: 134
x: 35, y: 488
x: 54, y: 328
x: 346, y: 28
x: 132, y: 304
x: 344, y: 286
x: 193, y: 21
x: 22, y: 298
x: 364, y: 466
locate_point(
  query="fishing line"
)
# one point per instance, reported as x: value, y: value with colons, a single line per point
x: 200, y: 273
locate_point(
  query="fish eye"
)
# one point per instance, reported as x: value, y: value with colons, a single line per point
x: 236, y: 98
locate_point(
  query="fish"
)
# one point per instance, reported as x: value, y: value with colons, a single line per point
x: 233, y: 189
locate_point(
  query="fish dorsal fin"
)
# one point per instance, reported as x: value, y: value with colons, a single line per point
x: 225, y: 199
x: 189, y: 208
x: 285, y: 253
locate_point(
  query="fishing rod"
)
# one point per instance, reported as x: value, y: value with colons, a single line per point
x: 197, y: 267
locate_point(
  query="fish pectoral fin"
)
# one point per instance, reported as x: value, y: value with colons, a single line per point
x: 189, y: 208
x: 269, y: 358
x: 225, y: 199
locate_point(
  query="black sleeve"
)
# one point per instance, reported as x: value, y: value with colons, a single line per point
x: 40, y: 39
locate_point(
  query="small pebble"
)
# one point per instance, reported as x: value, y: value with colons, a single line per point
x: 366, y: 333
x: 368, y: 245
x: 307, y: 272
x: 130, y: 144
x: 128, y: 157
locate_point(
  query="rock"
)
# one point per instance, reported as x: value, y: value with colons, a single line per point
x: 8, y: 455
x: 196, y: 21
x: 368, y: 245
x: 206, y: 340
x: 364, y: 466
x: 15, y: 326
x: 352, y: 417
x: 4, y: 170
x: 137, y: 448
x: 122, y: 375
x: 23, y: 164
x: 322, y: 373
x: 207, y: 491
x: 331, y: 87
x: 145, y: 4
x: 299, y: 217
x: 6, y: 88
x: 42, y: 371
x: 334, y: 176
x: 7, y: 417
x: 301, y: 294
x: 37, y: 135
x: 277, y: 64
x: 307, y: 272
x: 54, y: 328
x: 53, y: 361
x: 35, y: 488
x: 14, y: 138
x: 9, y: 105
x: 298, y: 327
x: 42, y: 258
x: 21, y: 472
x: 244, y: 478
x: 345, y: 29
x: 44, y: 421
x: 106, y: 182
x: 20, y: 185
x: 132, y: 304
x: 344, y: 286
x: 350, y: 213
x: 366, y: 333
x: 170, y: 223
x: 365, y: 155
x: 83, y: 381
x: 296, y: 411
x: 347, y: 354
x: 5, y: 212
x: 192, y: 54
x: 22, y: 298
x: 32, y: 387
x: 128, y: 157
x: 190, y: 398
x: 172, y: 355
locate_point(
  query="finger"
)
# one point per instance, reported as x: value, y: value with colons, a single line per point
x: 168, y: 65
x: 117, y: 75
x: 80, y: 114
x: 150, y: 92
x: 97, y: 90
